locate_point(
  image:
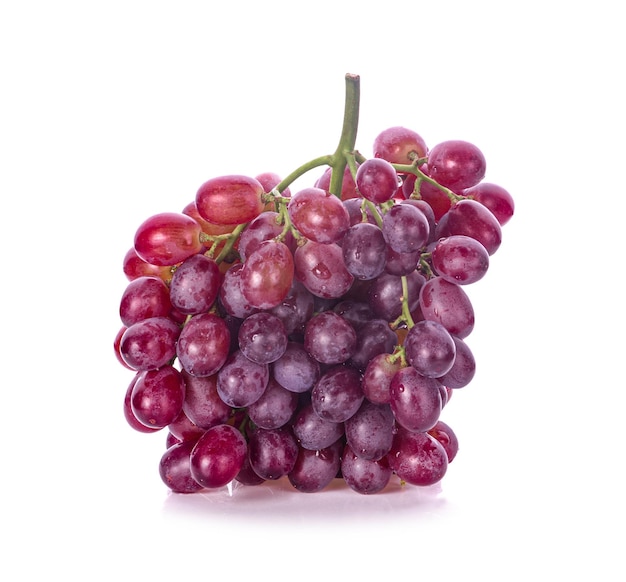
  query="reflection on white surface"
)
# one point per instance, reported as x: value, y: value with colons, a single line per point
x: 279, y: 500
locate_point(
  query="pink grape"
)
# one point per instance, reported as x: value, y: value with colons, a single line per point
x: 149, y: 343
x: 157, y: 396
x: 318, y: 215
x: 203, y: 345
x: 415, y: 400
x: 456, y: 164
x: 231, y: 199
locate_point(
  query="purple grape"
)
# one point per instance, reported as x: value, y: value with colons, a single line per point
x: 321, y: 269
x: 218, y: 456
x: 143, y: 298
x: 203, y: 405
x: 175, y: 468
x: 195, y: 285
x: 296, y: 308
x: 463, y: 369
x: 149, y: 343
x: 417, y: 458
x: 203, y: 345
x: 296, y: 370
x: 157, y: 396
x: 405, y: 228
x: 329, y: 338
x: 385, y: 294
x: 377, y: 377
x: 231, y: 296
x: 447, y: 304
x: 240, y: 381
x: 415, y: 400
x: 362, y: 475
x: 373, y: 338
x: 429, y: 348
x: 272, y: 453
x: 315, y: 469
x: 364, y: 251
x: 262, y: 337
x: 337, y: 395
x: 369, y: 432
x: 275, y: 407
x: 314, y: 432
x: 460, y: 259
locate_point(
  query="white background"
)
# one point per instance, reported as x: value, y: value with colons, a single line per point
x: 111, y: 112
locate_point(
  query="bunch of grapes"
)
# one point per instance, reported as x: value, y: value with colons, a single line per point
x: 313, y: 335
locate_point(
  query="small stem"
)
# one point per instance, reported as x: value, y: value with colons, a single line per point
x: 230, y: 242
x: 406, y: 314
x: 303, y: 169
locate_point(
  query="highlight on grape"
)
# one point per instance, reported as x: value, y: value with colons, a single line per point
x: 314, y: 335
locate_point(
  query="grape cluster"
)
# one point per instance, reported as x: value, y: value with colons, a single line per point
x: 313, y: 335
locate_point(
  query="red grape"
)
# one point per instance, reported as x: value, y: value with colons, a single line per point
x: 232, y: 199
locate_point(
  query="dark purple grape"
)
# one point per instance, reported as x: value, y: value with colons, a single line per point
x: 296, y: 370
x: 417, y: 458
x: 362, y: 475
x: 374, y: 337
x: 203, y: 405
x: 314, y: 432
x: 463, y: 369
x: 157, y: 396
x: 274, y: 408
x: 262, y: 337
x: 315, y: 469
x: 149, y: 343
x: 231, y: 296
x: 195, y: 285
x: 272, y: 453
x: 329, y: 338
x: 447, y: 437
x: 296, y: 308
x: 449, y: 305
x: 143, y: 298
x: 175, y: 468
x: 218, y: 456
x: 369, y: 432
x: 405, y: 228
x: 240, y: 381
x: 364, y: 251
x: 355, y: 312
x: 337, y: 395
x: 203, y: 345
x: 385, y: 294
x: 415, y: 400
x: 429, y: 348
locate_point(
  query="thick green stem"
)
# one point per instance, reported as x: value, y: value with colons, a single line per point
x: 347, y: 141
x: 326, y: 160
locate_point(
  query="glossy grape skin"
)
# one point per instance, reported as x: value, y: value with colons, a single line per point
x: 175, y: 468
x: 314, y: 432
x: 296, y: 370
x: 447, y: 437
x: 149, y: 343
x: 377, y: 180
x: 385, y: 294
x: 464, y: 368
x: 417, y: 458
x: 203, y: 345
x: 262, y: 337
x: 374, y: 337
x: 272, y: 453
x: 315, y: 469
x: 267, y: 275
x: 399, y: 145
x: 218, y: 456
x: 195, y: 285
x: 144, y: 297
x: 318, y: 215
x: 202, y: 403
x: 296, y: 308
x: 448, y: 304
x: 167, y: 239
x: 321, y: 269
x: 129, y: 415
x: 231, y: 199
x: 405, y: 228
x: 240, y: 381
x: 470, y: 218
x: 337, y: 395
x: 264, y: 227
x: 183, y: 428
x: 460, y: 259
x: 157, y: 396
x: 377, y: 378
x: 134, y: 266
x: 415, y: 400
x: 231, y: 296
x: 430, y: 348
x: 364, y: 250
x: 275, y: 407
x: 363, y: 475
x: 498, y: 200
x: 456, y: 164
x: 329, y: 338
x: 369, y: 432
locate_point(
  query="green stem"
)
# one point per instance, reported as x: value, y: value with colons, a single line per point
x: 406, y: 314
x: 230, y: 242
x: 326, y: 160
x: 347, y: 141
